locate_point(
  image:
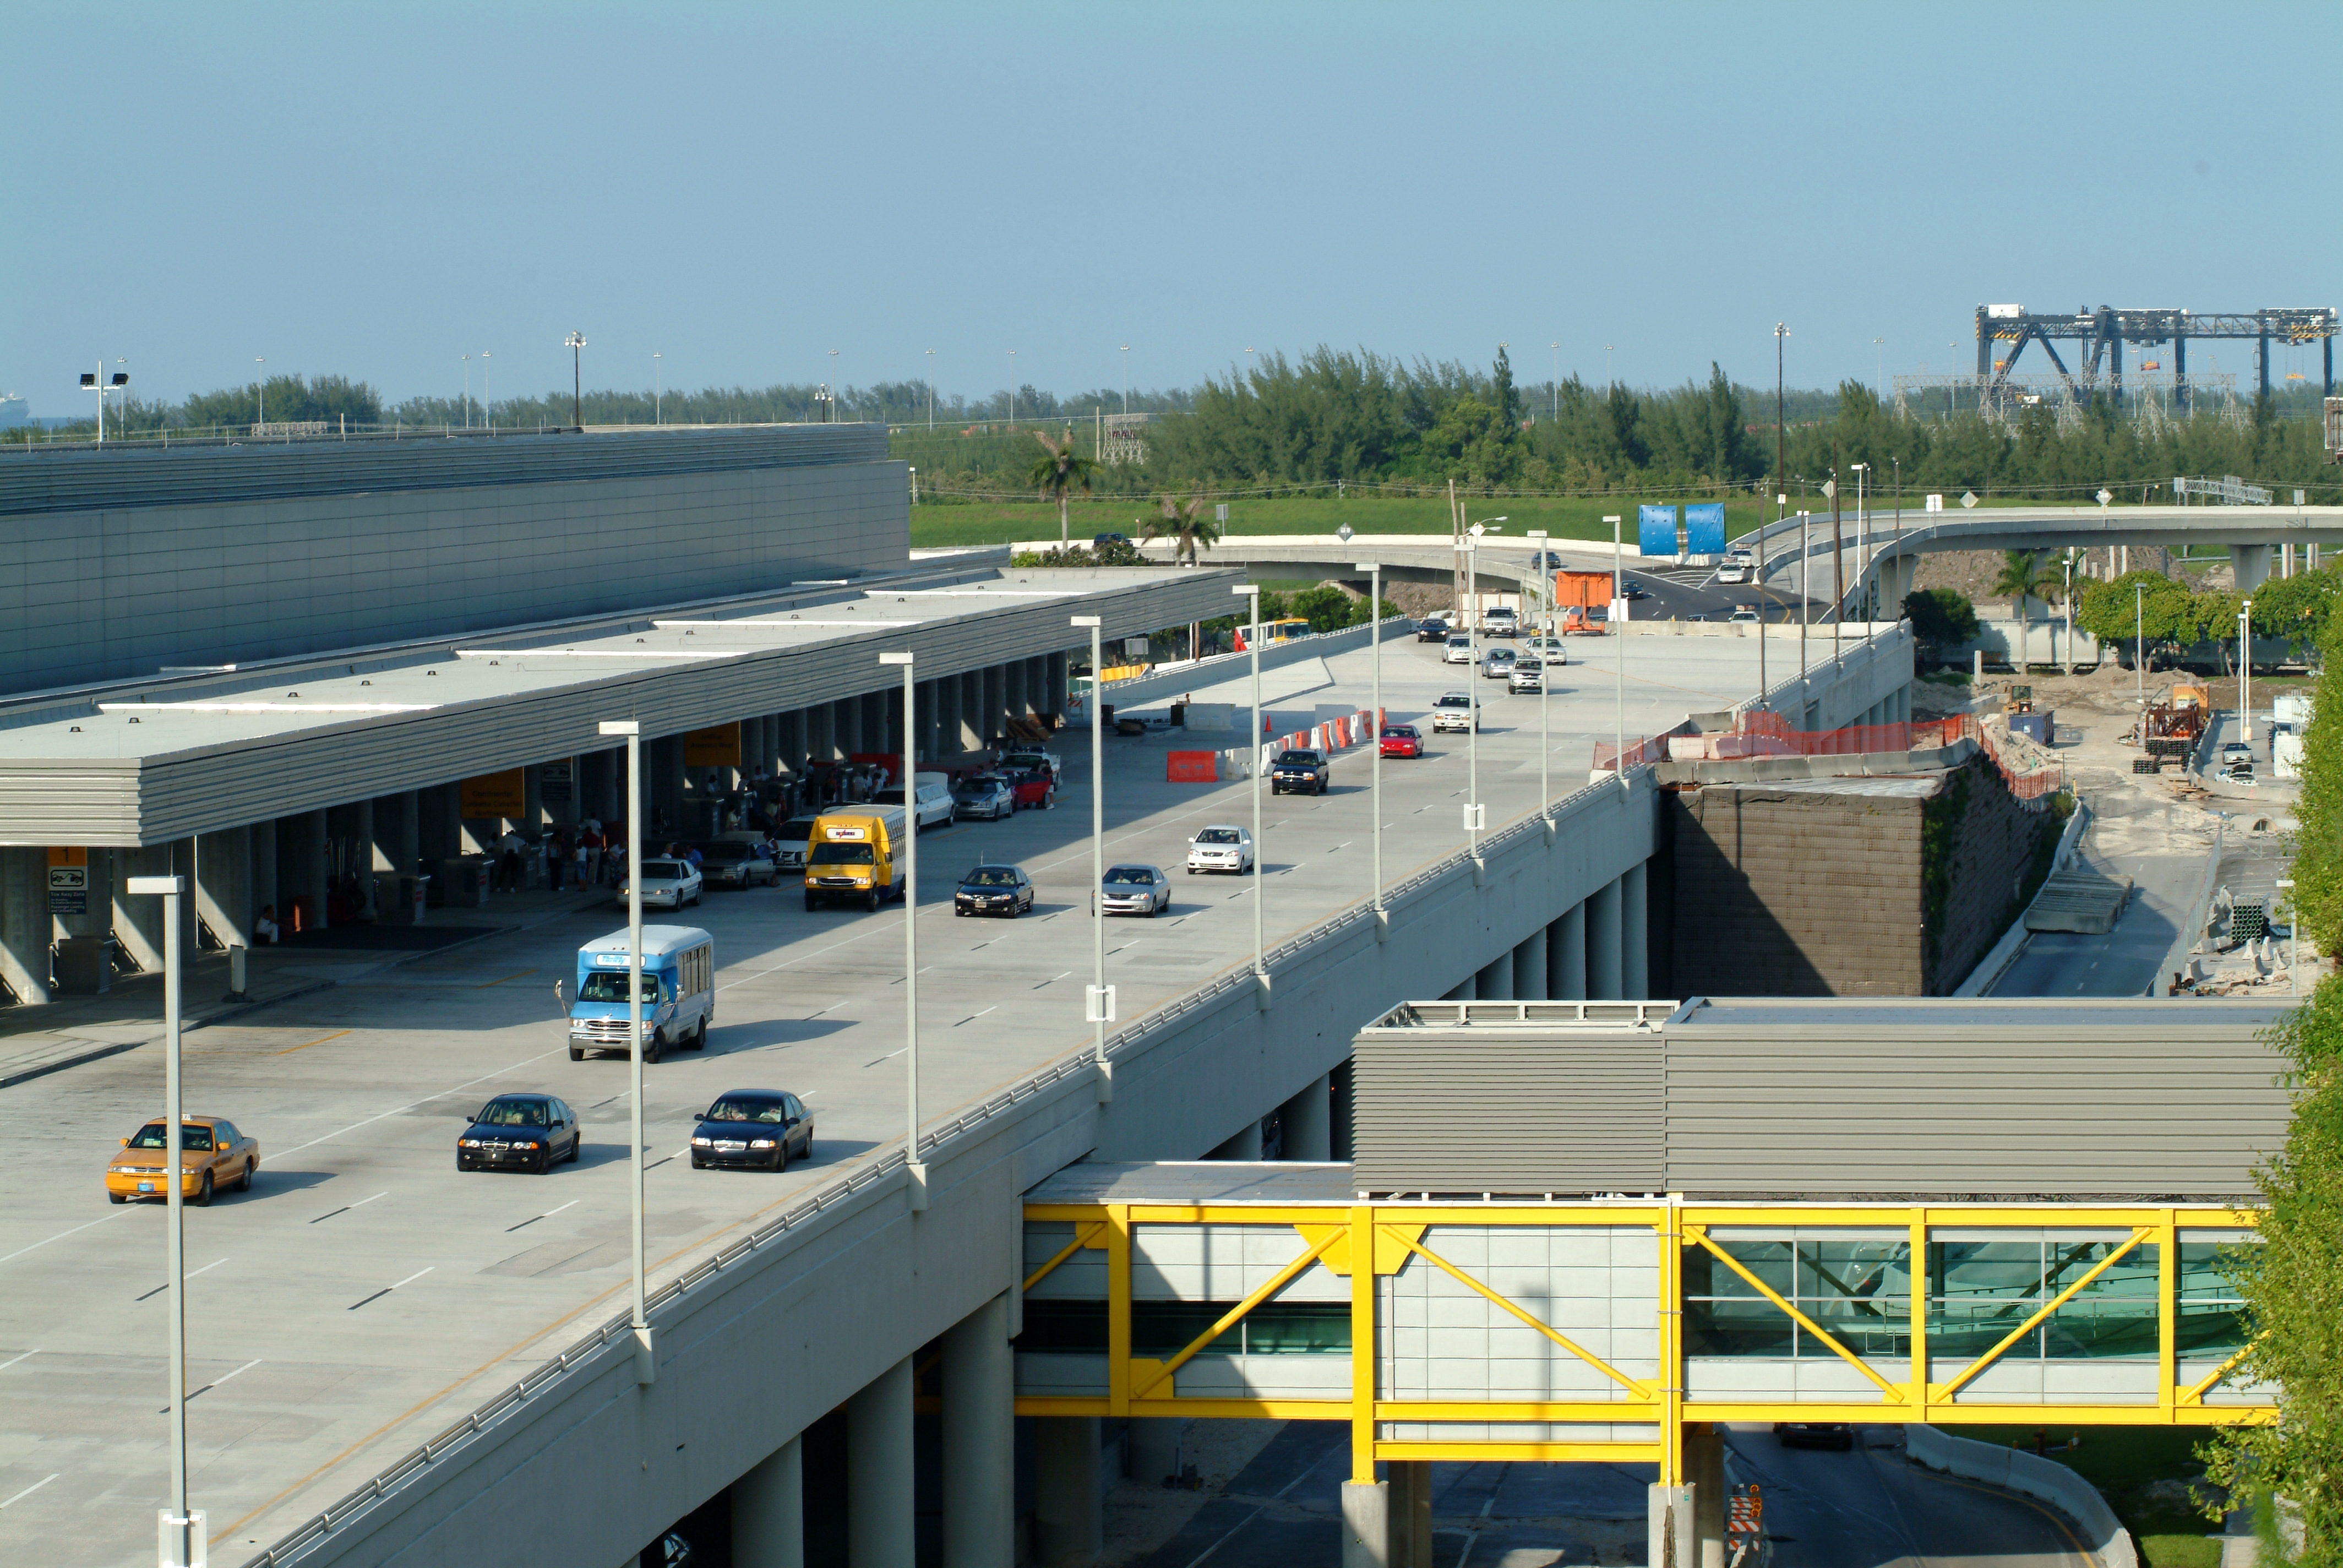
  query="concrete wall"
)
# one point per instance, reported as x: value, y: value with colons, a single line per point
x: 1979, y: 869
x: 2047, y: 1479
x: 118, y: 580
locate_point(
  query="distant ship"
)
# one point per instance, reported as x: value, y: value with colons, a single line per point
x: 14, y: 410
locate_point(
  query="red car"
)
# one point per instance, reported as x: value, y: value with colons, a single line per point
x: 1402, y: 740
x: 1036, y: 788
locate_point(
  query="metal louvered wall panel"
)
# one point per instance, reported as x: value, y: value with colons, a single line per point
x: 2109, y: 1099
x: 160, y: 798
x: 1493, y: 1108
x: 2178, y: 1099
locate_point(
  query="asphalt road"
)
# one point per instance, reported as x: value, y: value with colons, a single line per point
x: 365, y: 1294
x: 1823, y: 1509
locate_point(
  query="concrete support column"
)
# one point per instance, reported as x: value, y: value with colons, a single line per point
x: 1529, y: 967
x: 224, y: 885
x: 1606, y: 950
x: 137, y: 923
x: 1704, y: 1465
x: 97, y: 901
x: 972, y: 710
x: 1053, y: 683
x: 979, y: 1440
x: 1367, y: 1524
x: 929, y: 720
x: 1020, y: 674
x: 1340, y: 1143
x: 768, y: 1511
x: 25, y: 924
x: 303, y: 871
x: 398, y: 833
x: 1671, y: 1536
x: 1309, y: 1121
x: 671, y: 793
x: 881, y: 1506
x: 532, y: 800
x: 1245, y: 1144
x: 996, y: 701
x: 1635, y: 932
x: 1565, y: 956
x: 1069, y: 1518
x: 264, y: 871
x: 1461, y: 991
x: 2251, y: 564
x: 1496, y: 980
x: 1151, y: 1448
x: 1410, y: 1511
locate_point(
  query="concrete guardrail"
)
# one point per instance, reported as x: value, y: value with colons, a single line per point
x: 2030, y: 1476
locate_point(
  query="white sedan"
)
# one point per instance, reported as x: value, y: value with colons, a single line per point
x: 1220, y: 848
x: 668, y: 884
x: 1547, y: 648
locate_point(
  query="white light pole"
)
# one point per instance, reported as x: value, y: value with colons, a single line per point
x: 1374, y: 570
x: 488, y: 404
x: 98, y: 383
x: 260, y: 393
x: 1477, y: 816
x: 2246, y: 669
x: 1537, y: 538
x: 467, y: 389
x: 915, y: 1173
x: 931, y: 389
x: 645, y: 1365
x: 2139, y: 643
x: 182, y: 1529
x: 1619, y: 655
x: 1805, y: 597
x: 1250, y: 592
x: 1557, y: 380
x: 1126, y: 377
x: 1098, y: 1005
x: 658, y: 391
x: 1012, y: 391
x: 1863, y: 540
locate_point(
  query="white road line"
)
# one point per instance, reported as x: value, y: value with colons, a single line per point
x: 238, y: 1372
x: 59, y: 1237
x: 206, y: 1269
x: 549, y: 1213
x: 12, y: 1360
x: 410, y: 1105
x: 363, y: 1202
x: 972, y: 1018
x: 29, y: 1491
x: 420, y: 1272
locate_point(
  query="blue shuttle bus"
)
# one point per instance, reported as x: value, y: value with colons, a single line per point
x: 678, y: 992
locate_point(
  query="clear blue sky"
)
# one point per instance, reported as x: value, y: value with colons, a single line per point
x: 375, y: 190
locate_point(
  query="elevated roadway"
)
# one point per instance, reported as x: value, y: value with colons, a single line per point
x: 364, y: 1296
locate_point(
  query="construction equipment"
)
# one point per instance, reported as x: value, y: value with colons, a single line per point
x: 2174, y: 722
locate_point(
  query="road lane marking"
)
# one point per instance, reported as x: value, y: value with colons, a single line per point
x: 520, y: 974
x: 14, y: 1359
x: 215, y: 1383
x: 378, y: 1296
x: 972, y: 1018
x: 889, y: 1057
x: 30, y: 1490
x: 319, y: 1040
x: 1053, y: 980
x: 59, y: 1237
x: 395, y: 1110
x: 165, y: 1285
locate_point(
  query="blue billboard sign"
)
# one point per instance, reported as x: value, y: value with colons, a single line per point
x: 1657, y: 536
x: 1704, y: 529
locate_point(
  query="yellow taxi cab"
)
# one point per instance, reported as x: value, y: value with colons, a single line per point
x: 212, y: 1155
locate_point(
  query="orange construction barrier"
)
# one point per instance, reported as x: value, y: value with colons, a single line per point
x: 1193, y: 768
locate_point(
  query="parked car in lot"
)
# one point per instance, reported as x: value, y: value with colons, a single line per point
x: 994, y: 891
x: 1459, y: 649
x: 532, y: 1133
x: 1220, y: 848
x: 1528, y: 675
x: 983, y: 796
x: 1029, y: 756
x: 729, y: 865
x: 1402, y: 740
x: 1135, y: 891
x: 1432, y: 628
x: 758, y: 1129
x: 1034, y: 789
x: 1497, y: 663
x: 666, y: 884
x: 1299, y: 772
x: 212, y: 1155
x: 1455, y: 710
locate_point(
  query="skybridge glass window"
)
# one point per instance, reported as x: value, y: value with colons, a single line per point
x: 1857, y: 1288
x: 1980, y: 1289
x: 2212, y: 1310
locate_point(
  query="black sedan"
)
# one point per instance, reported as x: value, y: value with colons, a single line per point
x: 531, y: 1132
x: 763, y: 1129
x: 1432, y: 628
x: 994, y: 891
x: 1299, y: 771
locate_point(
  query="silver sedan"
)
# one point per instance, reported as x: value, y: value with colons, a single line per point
x: 1136, y: 891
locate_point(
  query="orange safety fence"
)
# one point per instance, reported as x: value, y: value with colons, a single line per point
x: 1767, y: 734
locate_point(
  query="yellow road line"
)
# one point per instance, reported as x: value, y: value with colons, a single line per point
x: 319, y: 1040
x: 485, y: 984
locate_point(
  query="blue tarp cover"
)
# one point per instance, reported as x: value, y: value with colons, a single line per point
x: 1658, y: 534
x: 1704, y: 529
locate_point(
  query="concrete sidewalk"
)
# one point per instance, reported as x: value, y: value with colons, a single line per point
x: 37, y: 1041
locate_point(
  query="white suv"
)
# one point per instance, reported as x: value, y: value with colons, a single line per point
x: 1453, y: 711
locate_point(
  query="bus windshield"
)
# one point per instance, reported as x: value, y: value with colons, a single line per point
x: 611, y: 985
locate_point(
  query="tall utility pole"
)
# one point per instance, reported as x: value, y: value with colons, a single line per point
x: 932, y: 389
x: 1126, y: 377
x: 574, y: 343
x: 1838, y: 557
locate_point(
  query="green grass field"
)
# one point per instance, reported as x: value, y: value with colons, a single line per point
x: 2125, y: 1462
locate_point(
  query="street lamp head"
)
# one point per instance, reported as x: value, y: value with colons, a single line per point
x: 1243, y: 589
x: 1089, y: 620
x: 144, y: 885
x: 619, y: 726
x: 902, y: 659
x: 575, y: 340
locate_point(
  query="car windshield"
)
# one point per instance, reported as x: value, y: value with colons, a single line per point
x: 1402, y: 731
x: 747, y: 1107
x: 1025, y: 760
x: 1129, y: 874
x: 1220, y: 835
x: 796, y: 830
x: 1460, y: 641
x: 982, y: 784
x: 724, y: 854
x: 503, y: 1113
x: 659, y: 871
x: 1298, y: 759
x: 611, y: 985
x: 196, y: 1139
x: 1500, y: 656
x: 840, y: 855
x: 991, y: 877
x: 1454, y: 702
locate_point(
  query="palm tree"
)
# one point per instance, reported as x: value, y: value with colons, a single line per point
x: 1058, y: 473
x: 2023, y: 577
x: 1185, y: 523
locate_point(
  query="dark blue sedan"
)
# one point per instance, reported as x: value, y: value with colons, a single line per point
x: 994, y: 891
x: 761, y: 1128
